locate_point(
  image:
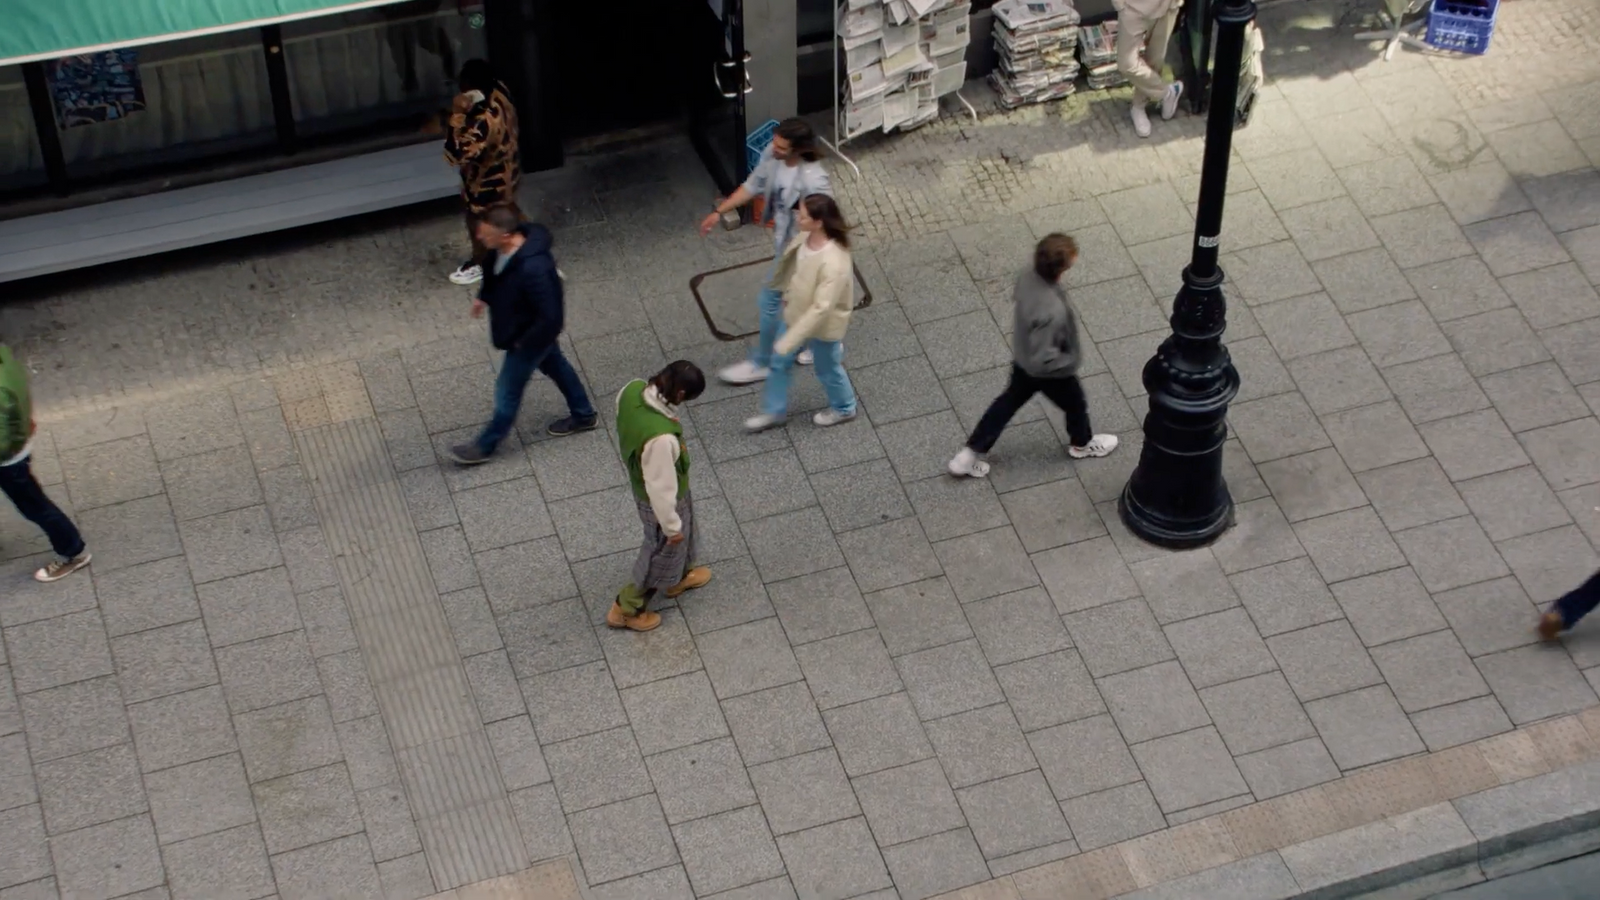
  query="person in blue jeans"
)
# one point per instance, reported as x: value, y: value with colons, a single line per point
x: 790, y: 168
x: 1570, y: 607
x: 817, y: 281
x: 16, y: 473
x: 522, y: 293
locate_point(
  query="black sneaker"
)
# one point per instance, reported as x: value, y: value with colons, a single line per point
x: 572, y: 425
x: 468, y: 455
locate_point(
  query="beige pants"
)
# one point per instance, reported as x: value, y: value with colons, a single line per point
x: 1143, y: 70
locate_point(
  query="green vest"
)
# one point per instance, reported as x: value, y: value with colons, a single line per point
x: 639, y: 423
x: 16, y: 406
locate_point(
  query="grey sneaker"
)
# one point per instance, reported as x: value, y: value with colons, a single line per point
x: 61, y: 568
x: 572, y: 425
x: 468, y: 454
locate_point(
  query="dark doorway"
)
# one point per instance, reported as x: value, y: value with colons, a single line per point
x: 627, y: 64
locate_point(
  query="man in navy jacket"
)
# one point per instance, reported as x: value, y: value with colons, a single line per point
x: 521, y: 290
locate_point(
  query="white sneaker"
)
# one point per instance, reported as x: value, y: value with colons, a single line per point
x: 467, y: 274
x: 829, y: 418
x: 805, y: 358
x: 1099, y: 445
x: 1169, y: 102
x: 758, y: 424
x: 966, y: 464
x: 743, y: 372
x: 1141, y: 119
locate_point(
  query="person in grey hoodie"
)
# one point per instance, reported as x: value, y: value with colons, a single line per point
x: 1046, y: 351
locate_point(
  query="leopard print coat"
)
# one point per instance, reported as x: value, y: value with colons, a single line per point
x: 482, y: 144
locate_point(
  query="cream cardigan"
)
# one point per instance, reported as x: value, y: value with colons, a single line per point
x: 818, y: 294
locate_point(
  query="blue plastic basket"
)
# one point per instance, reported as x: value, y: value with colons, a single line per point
x: 1462, y: 27
x: 756, y: 143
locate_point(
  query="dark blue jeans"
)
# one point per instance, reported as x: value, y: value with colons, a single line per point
x: 1579, y: 602
x: 25, y: 493
x: 518, y: 367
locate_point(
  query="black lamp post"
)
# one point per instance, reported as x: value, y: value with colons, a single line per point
x: 1177, y: 497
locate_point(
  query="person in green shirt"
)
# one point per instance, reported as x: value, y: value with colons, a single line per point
x: 650, y: 438
x: 16, y: 473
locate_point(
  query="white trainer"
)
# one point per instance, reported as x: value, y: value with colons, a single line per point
x: 805, y: 358
x: 744, y: 372
x: 1141, y: 119
x: 467, y: 274
x: 1169, y: 102
x: 763, y: 422
x: 966, y: 464
x: 1099, y: 445
x: 828, y: 418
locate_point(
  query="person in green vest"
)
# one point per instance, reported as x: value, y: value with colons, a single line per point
x: 16, y: 473
x: 651, y: 440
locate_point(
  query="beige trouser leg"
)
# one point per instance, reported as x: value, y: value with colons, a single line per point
x: 1143, y: 70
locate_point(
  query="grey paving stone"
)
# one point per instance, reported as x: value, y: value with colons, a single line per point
x: 209, y: 483
x: 860, y: 495
x: 471, y: 622
x: 199, y: 798
x: 918, y: 616
x: 1085, y: 575
x: 792, y: 544
x: 455, y: 398
x: 637, y: 659
x: 735, y: 596
x: 494, y: 686
x: 1261, y: 536
x: 1490, y: 616
x: 550, y: 637
x: 875, y: 735
x: 826, y: 449
x: 410, y: 446
x: 1118, y: 637
x: 1398, y: 334
x: 1013, y: 814
x: 820, y: 606
x: 963, y: 344
x: 1428, y: 671
x: 671, y: 881
x: 1351, y: 431
x: 178, y: 729
x: 1272, y: 272
x: 1181, y: 586
x: 1427, y: 840
x: 1435, y: 388
x: 1568, y: 344
x: 936, y: 864
x: 1412, y: 493
x: 1363, y: 280
x: 509, y: 462
x: 74, y: 718
x: 501, y: 514
x: 946, y: 680
x: 17, y: 784
x: 701, y: 780
x: 1563, y: 453
x: 227, y: 863
x: 1287, y: 768
x: 230, y: 544
x: 986, y: 564
x: 1146, y: 213
x: 1384, y: 186
x: 585, y: 463
x: 848, y: 669
x: 1341, y: 379
x: 58, y: 651
x: 1452, y: 554
x: 1110, y: 816
x: 1286, y: 597
x: 765, y: 485
x: 1220, y: 648
x: 1116, y: 309
x: 303, y: 874
x: 1478, y: 192
x: 1257, y: 713
x: 164, y: 661
x: 111, y: 473
x: 1552, y: 296
x: 544, y: 828
x: 1534, y: 396
x: 1349, y: 544
x: 720, y: 427
x: 720, y: 538
x: 25, y: 856
x: 108, y: 860
x: 308, y: 559
x: 1017, y: 626
x: 837, y: 861
x: 1261, y: 373
x: 1460, y: 723
x: 889, y: 555
x: 1509, y: 825
x: 919, y: 448
x: 148, y: 596
x: 1516, y: 243
x: 596, y: 524
x: 1479, y: 443
x: 1083, y: 757
x: 249, y: 607
x: 573, y: 702
x: 1189, y: 769
x: 268, y: 672
x: 597, y: 769
x: 908, y: 802
x: 728, y: 850
x: 1050, y: 690
x: 899, y: 390
x: 128, y: 534
x: 1420, y: 236
x: 1388, y: 606
x: 279, y: 740
x: 406, y: 878
x: 1276, y: 427
x: 980, y: 745
x: 1533, y: 683
x: 674, y: 712
x: 1328, y: 229
x: 748, y: 658
x: 1324, y: 660
x: 1550, y: 563
x: 783, y: 722
x: 1364, y: 727
x: 516, y: 749
x: 1495, y: 341
x: 804, y: 791
x: 1053, y: 514
x: 1304, y: 326
x: 90, y: 789
x: 1153, y: 702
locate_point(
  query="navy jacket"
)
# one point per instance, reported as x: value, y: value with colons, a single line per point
x: 526, y: 307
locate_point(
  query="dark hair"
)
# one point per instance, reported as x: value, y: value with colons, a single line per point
x: 801, y: 137
x: 823, y: 208
x: 680, y: 382
x: 1054, y: 255
x: 477, y: 75
x: 501, y: 217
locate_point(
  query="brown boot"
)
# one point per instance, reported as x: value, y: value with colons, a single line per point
x: 1551, y: 625
x: 694, y: 578
x: 643, y: 620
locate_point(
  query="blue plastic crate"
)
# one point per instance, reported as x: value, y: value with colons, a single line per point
x: 756, y: 143
x: 1461, y: 27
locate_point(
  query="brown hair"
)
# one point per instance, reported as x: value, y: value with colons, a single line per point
x: 822, y: 208
x: 801, y: 137
x: 1054, y: 255
x: 680, y: 382
x: 502, y: 217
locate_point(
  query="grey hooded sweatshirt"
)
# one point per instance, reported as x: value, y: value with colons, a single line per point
x: 1045, y: 342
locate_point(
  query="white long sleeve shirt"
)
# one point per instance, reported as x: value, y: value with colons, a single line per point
x: 659, y: 463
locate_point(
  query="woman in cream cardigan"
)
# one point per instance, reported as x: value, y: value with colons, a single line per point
x: 817, y: 280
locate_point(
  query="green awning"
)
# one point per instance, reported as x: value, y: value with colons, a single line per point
x: 32, y: 30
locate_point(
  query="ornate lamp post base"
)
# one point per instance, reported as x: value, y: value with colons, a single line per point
x: 1177, y: 496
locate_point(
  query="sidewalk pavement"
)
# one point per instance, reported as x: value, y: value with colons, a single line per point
x: 313, y: 660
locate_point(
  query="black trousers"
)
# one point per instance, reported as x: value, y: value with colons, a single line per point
x: 1064, y: 392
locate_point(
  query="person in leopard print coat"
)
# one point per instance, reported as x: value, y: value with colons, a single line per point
x: 481, y: 142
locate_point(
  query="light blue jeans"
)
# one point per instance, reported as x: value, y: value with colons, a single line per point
x: 829, y: 366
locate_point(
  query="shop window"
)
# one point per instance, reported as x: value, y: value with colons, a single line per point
x: 21, y: 163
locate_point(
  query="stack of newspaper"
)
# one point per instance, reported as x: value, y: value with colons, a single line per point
x: 1097, y: 50
x: 1034, y: 40
x: 900, y: 57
